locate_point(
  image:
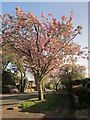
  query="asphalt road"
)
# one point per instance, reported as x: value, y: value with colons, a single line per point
x: 7, y: 100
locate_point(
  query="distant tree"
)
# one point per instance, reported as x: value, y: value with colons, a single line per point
x: 8, y: 78
x: 45, y: 80
x: 72, y: 72
x: 11, y: 56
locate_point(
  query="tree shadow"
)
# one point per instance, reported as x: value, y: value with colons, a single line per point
x: 54, y: 106
x: 18, y: 97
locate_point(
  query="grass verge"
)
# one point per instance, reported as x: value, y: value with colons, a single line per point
x: 51, y: 103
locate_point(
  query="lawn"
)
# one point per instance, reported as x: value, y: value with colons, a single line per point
x: 53, y: 102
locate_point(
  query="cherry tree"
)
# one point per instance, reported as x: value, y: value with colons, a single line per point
x: 45, y: 43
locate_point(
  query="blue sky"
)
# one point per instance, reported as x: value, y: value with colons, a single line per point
x: 45, y: 0
x: 58, y: 9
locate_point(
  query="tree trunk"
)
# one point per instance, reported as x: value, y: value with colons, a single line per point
x: 22, y: 81
x: 21, y: 84
x: 39, y: 86
x: 40, y: 91
x: 36, y: 82
x: 21, y: 87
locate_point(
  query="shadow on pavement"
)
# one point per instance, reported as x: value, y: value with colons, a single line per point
x: 64, y: 109
x: 18, y: 97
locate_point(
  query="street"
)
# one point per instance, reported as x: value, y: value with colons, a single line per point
x: 7, y: 100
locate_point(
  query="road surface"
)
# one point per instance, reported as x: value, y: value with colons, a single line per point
x: 7, y: 100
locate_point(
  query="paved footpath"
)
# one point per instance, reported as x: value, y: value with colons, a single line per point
x: 18, y: 114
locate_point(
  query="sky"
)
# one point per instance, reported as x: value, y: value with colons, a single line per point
x: 58, y: 9
x: 45, y: 0
x: 88, y: 38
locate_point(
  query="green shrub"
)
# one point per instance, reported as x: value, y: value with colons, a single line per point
x: 77, y: 82
x: 51, y: 86
x: 9, y: 78
x: 82, y: 93
x: 10, y: 86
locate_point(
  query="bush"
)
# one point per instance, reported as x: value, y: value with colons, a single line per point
x: 9, y: 89
x: 77, y: 82
x: 51, y: 86
x: 82, y: 93
x: 9, y: 78
x: 68, y: 86
x: 10, y: 86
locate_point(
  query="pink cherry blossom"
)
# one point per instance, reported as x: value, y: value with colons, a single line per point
x: 64, y: 18
x: 46, y: 44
